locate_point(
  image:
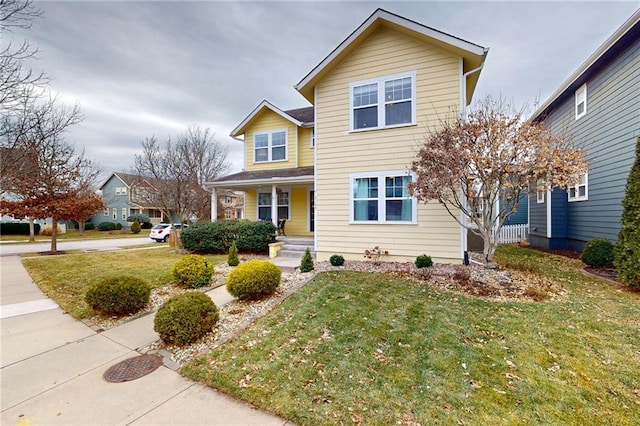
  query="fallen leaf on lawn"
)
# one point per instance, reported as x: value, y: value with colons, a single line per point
x: 476, y: 385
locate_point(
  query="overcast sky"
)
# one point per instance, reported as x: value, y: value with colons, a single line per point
x: 153, y: 68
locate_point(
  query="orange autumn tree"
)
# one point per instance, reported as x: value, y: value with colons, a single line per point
x: 483, y: 166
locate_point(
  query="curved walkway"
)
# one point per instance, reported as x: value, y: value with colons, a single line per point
x: 52, y: 367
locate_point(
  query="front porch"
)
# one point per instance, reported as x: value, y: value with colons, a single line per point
x: 287, y: 252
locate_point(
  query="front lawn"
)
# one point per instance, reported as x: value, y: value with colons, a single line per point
x: 361, y: 348
x: 66, y: 278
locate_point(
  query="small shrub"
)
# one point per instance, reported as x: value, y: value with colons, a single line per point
x: 185, y: 318
x: 106, y: 226
x: 536, y: 293
x: 118, y: 226
x: 119, y: 295
x: 306, y: 264
x: 192, y: 271
x: 233, y: 259
x: 424, y: 261
x: 147, y: 225
x: 598, y: 252
x: 138, y: 217
x: 253, y: 279
x: 88, y: 226
x: 336, y: 260
x: 135, y: 227
x: 48, y: 229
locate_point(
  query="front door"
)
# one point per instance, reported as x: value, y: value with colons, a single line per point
x: 312, y: 214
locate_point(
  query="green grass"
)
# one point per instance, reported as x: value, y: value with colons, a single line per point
x: 376, y: 349
x: 66, y: 278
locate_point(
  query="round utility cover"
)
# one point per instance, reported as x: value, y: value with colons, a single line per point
x: 132, y: 368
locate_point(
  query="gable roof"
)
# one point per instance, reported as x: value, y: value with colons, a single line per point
x: 627, y: 34
x: 126, y: 178
x: 473, y: 54
x: 300, y: 117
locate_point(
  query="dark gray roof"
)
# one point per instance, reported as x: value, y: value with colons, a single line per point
x: 268, y: 174
x: 305, y: 115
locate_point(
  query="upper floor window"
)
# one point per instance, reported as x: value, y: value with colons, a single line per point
x: 228, y: 199
x: 580, y: 191
x: 382, y: 197
x: 121, y: 190
x: 106, y: 211
x: 383, y: 102
x: 270, y: 146
x: 540, y: 192
x: 581, y: 101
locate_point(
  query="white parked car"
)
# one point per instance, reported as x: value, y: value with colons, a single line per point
x: 161, y: 231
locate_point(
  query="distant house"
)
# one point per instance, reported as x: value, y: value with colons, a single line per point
x: 599, y: 105
x: 339, y: 170
x: 121, y: 194
x: 230, y: 205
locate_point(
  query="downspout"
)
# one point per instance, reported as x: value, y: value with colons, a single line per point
x: 463, y: 82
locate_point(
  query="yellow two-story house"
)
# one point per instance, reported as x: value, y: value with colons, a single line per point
x: 340, y: 170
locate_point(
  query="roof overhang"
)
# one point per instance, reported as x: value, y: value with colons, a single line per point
x: 257, y: 111
x: 253, y: 179
x: 473, y: 55
x: 618, y: 40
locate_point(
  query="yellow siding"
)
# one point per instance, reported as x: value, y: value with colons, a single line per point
x: 305, y: 152
x: 268, y: 121
x: 299, y: 222
x: 251, y: 205
x: 340, y: 152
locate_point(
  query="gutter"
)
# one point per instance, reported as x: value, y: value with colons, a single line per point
x: 464, y: 88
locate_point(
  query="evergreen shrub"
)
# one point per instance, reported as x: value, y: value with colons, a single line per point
x: 598, y: 252
x: 185, y: 318
x: 336, y: 260
x: 253, y: 279
x: 192, y: 271
x: 424, y: 261
x: 135, y: 227
x: 118, y: 295
x: 88, y: 226
x: 17, y: 228
x: 233, y: 259
x: 107, y: 226
x: 306, y: 264
x: 627, y: 249
x: 217, y: 237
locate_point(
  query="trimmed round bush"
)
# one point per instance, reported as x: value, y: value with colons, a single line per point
x: 88, y: 226
x: 336, y: 260
x: 424, y: 261
x: 192, y: 271
x: 118, y: 226
x: 107, y: 226
x: 598, y: 252
x: 253, y: 279
x: 119, y: 295
x: 135, y: 227
x: 185, y: 318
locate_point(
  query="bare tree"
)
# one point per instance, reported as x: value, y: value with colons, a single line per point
x: 172, y: 176
x: 483, y: 167
x: 49, y: 182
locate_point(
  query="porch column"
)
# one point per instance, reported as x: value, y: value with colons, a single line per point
x: 214, y: 205
x: 274, y: 205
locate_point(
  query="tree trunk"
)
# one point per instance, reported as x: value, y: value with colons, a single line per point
x: 32, y: 231
x: 81, y: 227
x: 54, y: 234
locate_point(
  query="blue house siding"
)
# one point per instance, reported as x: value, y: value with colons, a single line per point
x: 521, y: 216
x: 538, y: 221
x: 114, y: 201
x: 608, y: 133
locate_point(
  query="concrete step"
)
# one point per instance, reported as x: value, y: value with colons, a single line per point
x: 296, y: 254
x: 300, y: 248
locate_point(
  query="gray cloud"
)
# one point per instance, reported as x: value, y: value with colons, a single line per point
x: 153, y: 68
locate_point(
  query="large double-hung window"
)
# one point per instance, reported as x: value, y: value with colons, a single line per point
x: 264, y: 206
x: 383, y: 102
x: 382, y: 197
x: 270, y: 146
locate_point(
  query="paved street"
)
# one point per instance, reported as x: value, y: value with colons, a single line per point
x: 8, y: 249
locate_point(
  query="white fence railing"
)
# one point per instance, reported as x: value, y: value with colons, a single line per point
x: 513, y: 233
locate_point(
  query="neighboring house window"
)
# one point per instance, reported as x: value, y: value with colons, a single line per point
x: 124, y: 213
x: 228, y: 214
x: 540, y: 192
x: 383, y: 102
x: 270, y: 146
x: 382, y: 197
x: 581, y: 101
x: 106, y: 211
x: 264, y: 206
x: 238, y: 214
x: 121, y: 190
x: 228, y: 199
x: 580, y: 191
x: 114, y: 214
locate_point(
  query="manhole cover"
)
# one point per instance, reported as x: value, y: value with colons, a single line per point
x: 132, y: 368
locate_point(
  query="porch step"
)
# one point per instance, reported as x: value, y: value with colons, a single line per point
x: 291, y: 253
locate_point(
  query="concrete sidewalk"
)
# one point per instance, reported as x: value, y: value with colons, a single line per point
x: 52, y: 367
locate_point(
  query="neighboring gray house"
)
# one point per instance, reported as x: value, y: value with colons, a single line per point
x: 119, y: 195
x: 599, y: 105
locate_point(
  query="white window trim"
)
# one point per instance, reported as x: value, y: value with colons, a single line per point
x: 381, y: 101
x: 581, y: 96
x: 313, y: 137
x: 270, y: 205
x: 106, y: 211
x: 270, y: 146
x: 577, y: 187
x: 540, y: 192
x: 114, y: 214
x: 381, y: 198
x: 124, y: 213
